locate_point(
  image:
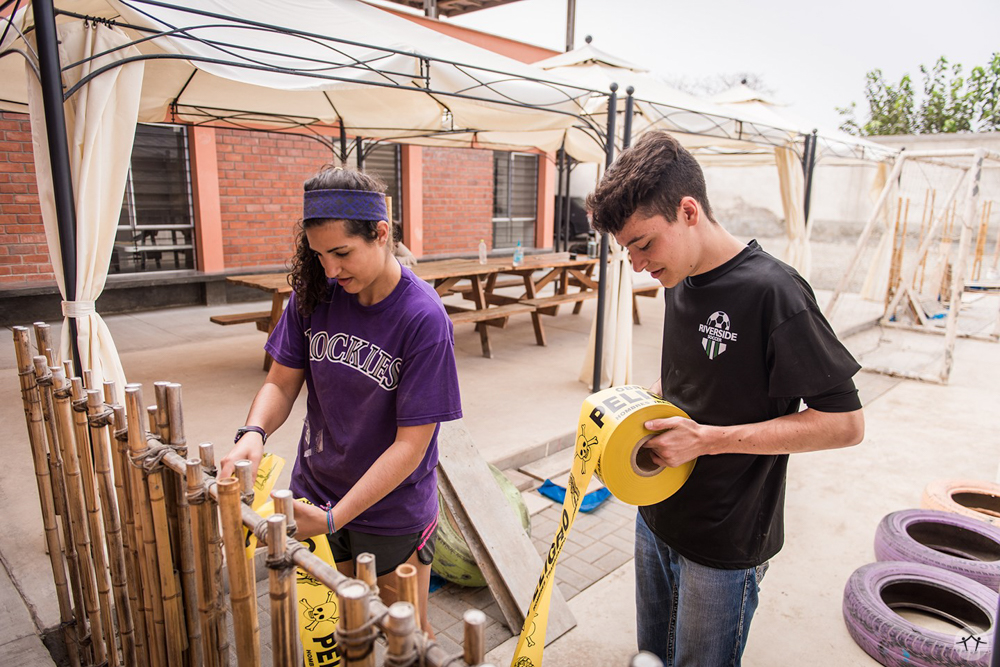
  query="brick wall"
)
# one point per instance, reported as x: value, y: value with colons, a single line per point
x: 458, y: 200
x: 24, y: 255
x: 260, y: 193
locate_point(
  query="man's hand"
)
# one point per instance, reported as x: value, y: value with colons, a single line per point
x: 680, y: 440
x: 249, y: 448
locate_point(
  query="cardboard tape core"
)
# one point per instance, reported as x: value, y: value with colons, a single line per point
x: 642, y: 459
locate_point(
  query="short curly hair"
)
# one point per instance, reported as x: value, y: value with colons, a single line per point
x: 650, y: 177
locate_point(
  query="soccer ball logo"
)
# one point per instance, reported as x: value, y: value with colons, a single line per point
x: 719, y: 320
x: 714, y: 343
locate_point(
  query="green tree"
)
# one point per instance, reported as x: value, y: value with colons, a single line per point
x: 951, y: 102
x: 890, y: 107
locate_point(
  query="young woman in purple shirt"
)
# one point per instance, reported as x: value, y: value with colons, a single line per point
x: 375, y: 349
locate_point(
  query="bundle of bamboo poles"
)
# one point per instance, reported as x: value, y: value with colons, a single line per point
x: 136, y: 545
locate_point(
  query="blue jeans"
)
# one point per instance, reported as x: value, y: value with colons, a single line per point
x: 687, y: 614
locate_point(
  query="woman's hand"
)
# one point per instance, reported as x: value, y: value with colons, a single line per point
x: 309, y: 520
x: 249, y: 448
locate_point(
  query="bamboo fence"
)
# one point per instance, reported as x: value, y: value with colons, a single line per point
x: 138, y: 533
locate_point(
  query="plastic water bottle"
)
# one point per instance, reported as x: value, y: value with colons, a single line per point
x: 518, y: 254
x: 591, y: 244
x: 482, y: 251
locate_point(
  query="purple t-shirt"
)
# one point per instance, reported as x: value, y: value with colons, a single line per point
x: 368, y: 370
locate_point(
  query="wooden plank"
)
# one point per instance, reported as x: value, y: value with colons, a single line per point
x: 498, y: 312
x: 554, y: 466
x: 506, y: 556
x: 572, y: 297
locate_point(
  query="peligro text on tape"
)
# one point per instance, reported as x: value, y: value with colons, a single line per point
x: 609, y: 442
x: 318, y: 609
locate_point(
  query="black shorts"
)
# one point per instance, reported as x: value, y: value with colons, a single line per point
x: 390, y: 551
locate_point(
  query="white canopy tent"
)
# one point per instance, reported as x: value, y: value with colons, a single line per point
x: 224, y: 62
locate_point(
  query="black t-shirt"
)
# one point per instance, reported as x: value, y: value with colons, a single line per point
x: 743, y: 343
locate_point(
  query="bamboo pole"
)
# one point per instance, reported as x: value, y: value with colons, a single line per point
x: 203, y: 547
x: 85, y: 456
x: 890, y: 288
x: 406, y: 584
x: 281, y: 580
x: 142, y: 612
x: 400, y: 630
x: 207, y: 452
x: 175, y: 420
x: 169, y: 589
x: 43, y: 379
x: 244, y: 474
x: 354, y: 638
x: 77, y: 510
x: 927, y: 216
x: 241, y: 586
x: 146, y: 541
x: 31, y: 398
x: 98, y: 422
x: 474, y: 636
x: 958, y: 276
x: 977, y: 265
x: 364, y: 569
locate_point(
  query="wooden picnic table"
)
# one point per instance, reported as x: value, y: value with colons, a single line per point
x: 488, y: 307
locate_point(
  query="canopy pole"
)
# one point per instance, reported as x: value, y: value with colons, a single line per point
x: 565, y: 222
x: 359, y: 145
x: 55, y: 132
x: 343, y: 144
x: 560, y: 200
x: 570, y: 24
x: 810, y: 167
x: 629, y: 109
x: 603, y: 264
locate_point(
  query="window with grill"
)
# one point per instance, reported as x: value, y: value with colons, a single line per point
x: 156, y: 225
x: 383, y: 160
x: 515, y: 199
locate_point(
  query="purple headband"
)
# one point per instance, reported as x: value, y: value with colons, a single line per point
x: 344, y: 205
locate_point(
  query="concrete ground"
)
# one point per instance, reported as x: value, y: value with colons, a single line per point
x: 521, y: 406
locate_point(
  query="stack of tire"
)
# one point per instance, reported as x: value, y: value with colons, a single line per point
x: 941, y: 561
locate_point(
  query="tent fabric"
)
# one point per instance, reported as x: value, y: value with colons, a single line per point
x: 215, y: 61
x: 616, y: 355
x: 100, y: 128
x: 792, y: 183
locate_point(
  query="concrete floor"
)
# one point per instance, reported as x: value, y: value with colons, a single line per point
x: 528, y: 397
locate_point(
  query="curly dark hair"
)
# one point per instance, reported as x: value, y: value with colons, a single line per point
x: 651, y: 177
x: 307, y: 277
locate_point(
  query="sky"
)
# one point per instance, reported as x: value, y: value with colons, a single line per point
x: 813, y: 54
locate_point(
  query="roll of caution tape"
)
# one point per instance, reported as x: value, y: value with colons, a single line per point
x: 609, y: 443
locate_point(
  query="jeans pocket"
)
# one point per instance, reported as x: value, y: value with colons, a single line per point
x: 761, y: 571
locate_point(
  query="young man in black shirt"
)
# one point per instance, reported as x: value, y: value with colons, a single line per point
x: 744, y: 345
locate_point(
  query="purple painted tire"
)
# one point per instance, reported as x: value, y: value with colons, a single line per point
x: 875, y: 590
x: 957, y: 543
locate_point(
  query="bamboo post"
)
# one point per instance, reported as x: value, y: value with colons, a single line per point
x: 207, y: 452
x: 474, y: 636
x: 354, y: 634
x: 244, y: 474
x: 43, y: 379
x: 31, y: 398
x: 406, y: 584
x: 202, y: 542
x: 285, y: 504
x: 142, y: 613
x: 364, y: 568
x: 175, y: 420
x: 400, y: 630
x: 977, y: 264
x: 284, y: 645
x: 928, y: 216
x: 99, y: 420
x: 85, y: 455
x: 958, y: 276
x: 146, y: 540
x: 43, y: 341
x: 241, y: 585
x: 77, y: 510
x: 142, y: 617
x: 169, y: 589
x: 890, y: 288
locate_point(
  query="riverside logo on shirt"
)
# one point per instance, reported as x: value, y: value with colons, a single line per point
x: 358, y: 353
x: 716, y: 331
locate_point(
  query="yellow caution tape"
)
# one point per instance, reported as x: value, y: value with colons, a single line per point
x: 267, y: 474
x: 318, y: 608
x: 609, y: 444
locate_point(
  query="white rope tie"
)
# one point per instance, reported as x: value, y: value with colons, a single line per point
x: 78, y: 309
